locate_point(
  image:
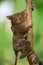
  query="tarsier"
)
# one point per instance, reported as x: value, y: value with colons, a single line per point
x: 20, y: 29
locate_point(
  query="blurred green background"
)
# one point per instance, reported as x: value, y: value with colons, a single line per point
x: 8, y: 7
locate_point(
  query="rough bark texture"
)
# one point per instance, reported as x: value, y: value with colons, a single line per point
x: 29, y: 20
x: 32, y: 57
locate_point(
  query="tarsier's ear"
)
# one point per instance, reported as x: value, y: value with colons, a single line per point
x: 24, y: 13
x: 9, y: 17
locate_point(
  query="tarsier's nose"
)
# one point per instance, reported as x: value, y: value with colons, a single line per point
x: 18, y: 21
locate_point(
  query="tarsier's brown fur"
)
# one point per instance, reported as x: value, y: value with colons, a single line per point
x: 20, y: 29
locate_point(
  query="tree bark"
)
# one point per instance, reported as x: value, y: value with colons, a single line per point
x: 32, y: 57
x: 29, y: 20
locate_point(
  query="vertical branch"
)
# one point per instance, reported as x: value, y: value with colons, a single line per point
x: 32, y: 59
x: 30, y: 23
x: 29, y: 20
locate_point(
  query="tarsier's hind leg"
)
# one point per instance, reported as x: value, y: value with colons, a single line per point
x: 23, y: 54
x: 24, y: 48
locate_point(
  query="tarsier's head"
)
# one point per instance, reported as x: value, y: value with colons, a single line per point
x: 17, y: 17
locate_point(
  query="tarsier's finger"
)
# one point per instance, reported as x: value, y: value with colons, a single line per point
x: 32, y: 8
